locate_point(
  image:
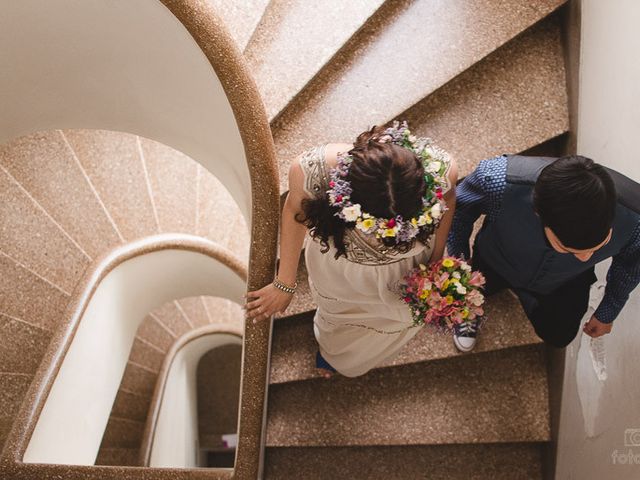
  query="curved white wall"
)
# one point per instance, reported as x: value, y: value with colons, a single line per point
x: 75, y: 415
x: 117, y: 65
x: 175, y: 442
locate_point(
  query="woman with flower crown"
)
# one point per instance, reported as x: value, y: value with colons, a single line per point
x: 365, y: 214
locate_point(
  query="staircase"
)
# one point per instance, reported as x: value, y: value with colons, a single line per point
x: 67, y: 198
x: 481, y: 78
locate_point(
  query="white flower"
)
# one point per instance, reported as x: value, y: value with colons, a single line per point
x: 461, y: 289
x: 424, y: 219
x: 434, y: 167
x: 465, y: 266
x: 351, y: 213
x: 456, y: 275
x: 436, y: 211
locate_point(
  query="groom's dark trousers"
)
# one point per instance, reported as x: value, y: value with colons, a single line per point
x: 556, y: 316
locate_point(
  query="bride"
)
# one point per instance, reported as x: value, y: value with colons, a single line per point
x: 365, y: 214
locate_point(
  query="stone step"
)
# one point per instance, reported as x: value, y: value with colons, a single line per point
x: 295, y: 39
x: 511, y: 101
x: 397, y: 59
x: 294, y: 346
x: 517, y: 461
x: 499, y: 396
x: 122, y: 433
x: 240, y: 18
x: 118, y: 457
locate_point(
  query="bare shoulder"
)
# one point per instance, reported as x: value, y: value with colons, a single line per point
x: 332, y: 150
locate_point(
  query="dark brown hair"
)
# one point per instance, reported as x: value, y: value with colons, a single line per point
x: 387, y: 180
x: 576, y: 198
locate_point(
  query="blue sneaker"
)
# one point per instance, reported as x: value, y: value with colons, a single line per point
x: 321, y: 363
x: 465, y: 335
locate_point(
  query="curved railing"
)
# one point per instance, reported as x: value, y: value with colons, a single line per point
x: 45, y: 377
x: 210, y: 35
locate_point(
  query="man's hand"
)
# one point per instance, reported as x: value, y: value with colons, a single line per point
x: 595, y: 328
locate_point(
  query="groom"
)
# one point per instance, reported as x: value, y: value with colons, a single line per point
x: 548, y: 222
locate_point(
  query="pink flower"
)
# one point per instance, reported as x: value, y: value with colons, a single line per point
x: 338, y: 198
x: 332, y: 184
x: 440, y: 279
x: 475, y: 298
x: 477, y: 279
x: 391, y: 223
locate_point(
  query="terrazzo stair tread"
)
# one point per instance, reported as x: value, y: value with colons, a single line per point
x: 122, y: 433
x: 217, y: 207
x: 118, y: 456
x: 419, y: 56
x: 172, y: 181
x: 5, y: 426
x: 512, y: 100
x: 138, y: 380
x: 492, y: 397
x: 13, y: 387
x: 295, y: 39
x: 294, y: 345
x: 32, y: 238
x: 146, y: 355
x: 170, y: 315
x: 131, y: 406
x: 29, y: 297
x: 47, y: 168
x: 516, y: 461
x: 19, y: 337
x: 194, y: 310
x: 222, y: 311
x: 113, y: 163
x: 155, y: 332
x: 240, y: 18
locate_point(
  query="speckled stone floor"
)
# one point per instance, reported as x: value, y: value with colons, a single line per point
x: 519, y: 461
x: 294, y: 346
x: 498, y: 396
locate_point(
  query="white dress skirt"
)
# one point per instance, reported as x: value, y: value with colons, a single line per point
x: 360, y: 320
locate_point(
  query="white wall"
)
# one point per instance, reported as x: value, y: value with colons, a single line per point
x: 117, y: 65
x: 175, y: 442
x: 595, y: 414
x: 76, y: 412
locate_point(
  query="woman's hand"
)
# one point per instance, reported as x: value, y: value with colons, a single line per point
x: 269, y: 300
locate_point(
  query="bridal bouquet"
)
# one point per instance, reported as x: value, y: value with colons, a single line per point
x: 443, y: 294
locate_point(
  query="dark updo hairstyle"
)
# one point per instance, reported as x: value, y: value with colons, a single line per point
x: 576, y: 198
x: 387, y: 180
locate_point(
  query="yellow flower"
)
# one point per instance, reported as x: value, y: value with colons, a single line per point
x: 445, y: 285
x: 449, y: 299
x: 424, y: 295
x: 424, y: 219
x: 389, y: 232
x: 414, y: 222
x: 368, y: 223
x: 448, y: 263
x: 465, y: 313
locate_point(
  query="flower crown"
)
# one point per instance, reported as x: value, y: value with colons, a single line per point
x: 397, y: 229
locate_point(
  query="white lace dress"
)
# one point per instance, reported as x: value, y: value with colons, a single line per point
x: 360, y: 320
